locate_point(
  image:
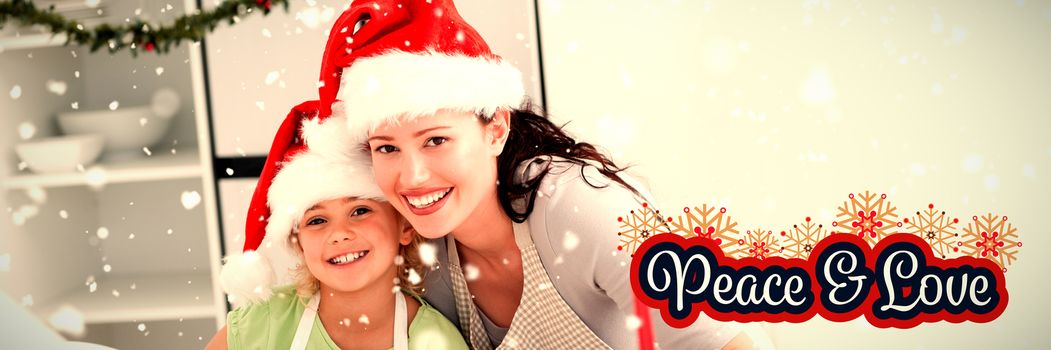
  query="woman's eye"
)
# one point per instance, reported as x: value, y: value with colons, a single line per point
x: 316, y: 221
x: 360, y: 211
x: 361, y: 23
x: 386, y: 149
x: 437, y: 140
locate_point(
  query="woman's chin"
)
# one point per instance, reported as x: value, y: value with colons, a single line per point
x: 431, y: 232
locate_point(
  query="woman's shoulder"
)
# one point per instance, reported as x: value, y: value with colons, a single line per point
x: 574, y: 197
x: 430, y: 330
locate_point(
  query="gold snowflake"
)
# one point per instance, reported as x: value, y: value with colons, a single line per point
x: 937, y: 229
x: 801, y: 239
x: 707, y: 222
x: 991, y: 237
x: 868, y: 216
x: 758, y: 243
x: 638, y: 226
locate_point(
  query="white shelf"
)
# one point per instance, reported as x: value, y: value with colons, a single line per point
x: 155, y: 298
x: 161, y: 166
x: 31, y: 41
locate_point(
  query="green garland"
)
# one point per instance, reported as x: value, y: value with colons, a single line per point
x: 137, y: 35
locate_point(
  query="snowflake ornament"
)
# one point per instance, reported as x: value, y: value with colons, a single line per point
x: 801, y: 239
x: 758, y: 243
x: 707, y: 222
x: 868, y: 216
x: 991, y: 237
x: 638, y: 226
x: 936, y: 229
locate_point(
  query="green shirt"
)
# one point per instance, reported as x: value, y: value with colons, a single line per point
x: 272, y: 325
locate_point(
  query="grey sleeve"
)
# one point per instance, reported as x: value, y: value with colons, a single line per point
x: 582, y: 225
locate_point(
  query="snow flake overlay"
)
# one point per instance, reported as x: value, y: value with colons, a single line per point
x: 867, y: 215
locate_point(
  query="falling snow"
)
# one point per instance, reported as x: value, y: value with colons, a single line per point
x: 470, y: 272
x: 190, y: 199
x: 972, y: 163
x: 16, y: 92
x: 37, y: 194
x: 114, y: 105
x: 633, y: 322
x: 56, y: 87
x: 102, y: 232
x: 26, y: 130
x: 428, y: 254
x: 570, y: 241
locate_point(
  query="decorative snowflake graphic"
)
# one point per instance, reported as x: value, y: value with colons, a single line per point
x: 638, y: 226
x: 868, y: 216
x: 991, y: 237
x: 801, y: 239
x: 758, y: 243
x: 937, y: 229
x: 709, y: 223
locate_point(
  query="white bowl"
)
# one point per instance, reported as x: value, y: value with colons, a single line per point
x: 126, y: 130
x: 60, y: 154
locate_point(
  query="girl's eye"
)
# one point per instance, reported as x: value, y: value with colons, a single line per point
x: 316, y: 221
x: 437, y: 140
x: 386, y: 149
x: 360, y: 211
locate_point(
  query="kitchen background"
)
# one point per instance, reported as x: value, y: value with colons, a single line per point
x: 125, y: 179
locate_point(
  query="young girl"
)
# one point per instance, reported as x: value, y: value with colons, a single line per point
x: 316, y: 204
x: 522, y: 215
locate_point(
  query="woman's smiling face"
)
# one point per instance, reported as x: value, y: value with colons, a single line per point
x: 352, y: 243
x: 439, y: 169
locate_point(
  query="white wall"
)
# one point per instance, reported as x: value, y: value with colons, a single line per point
x: 778, y: 110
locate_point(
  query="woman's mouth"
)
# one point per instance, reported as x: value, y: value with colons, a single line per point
x: 348, y: 258
x: 427, y: 203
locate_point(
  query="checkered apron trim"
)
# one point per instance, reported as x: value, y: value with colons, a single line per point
x: 543, y: 319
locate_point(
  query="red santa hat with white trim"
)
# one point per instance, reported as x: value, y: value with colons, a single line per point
x: 311, y: 160
x: 387, y: 60
x: 395, y: 60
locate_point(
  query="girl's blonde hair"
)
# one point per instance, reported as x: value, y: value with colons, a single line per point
x: 307, y: 284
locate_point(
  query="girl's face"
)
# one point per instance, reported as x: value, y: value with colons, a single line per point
x: 351, y: 243
x: 440, y: 169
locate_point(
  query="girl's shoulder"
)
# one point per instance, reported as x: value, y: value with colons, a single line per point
x: 247, y: 324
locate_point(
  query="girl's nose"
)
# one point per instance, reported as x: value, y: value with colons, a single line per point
x: 343, y: 234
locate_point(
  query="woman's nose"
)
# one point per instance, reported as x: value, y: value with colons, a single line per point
x: 415, y: 171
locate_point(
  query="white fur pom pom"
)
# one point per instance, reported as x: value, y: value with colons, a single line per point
x: 247, y: 278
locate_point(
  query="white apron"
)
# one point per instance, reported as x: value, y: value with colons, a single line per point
x: 401, y: 326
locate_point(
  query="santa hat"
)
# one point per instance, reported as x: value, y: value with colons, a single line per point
x: 396, y: 60
x: 311, y: 160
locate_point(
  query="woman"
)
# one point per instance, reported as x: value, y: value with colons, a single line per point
x: 521, y: 214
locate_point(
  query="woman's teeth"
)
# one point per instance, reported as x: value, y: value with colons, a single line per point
x: 426, y: 200
x: 343, y: 259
